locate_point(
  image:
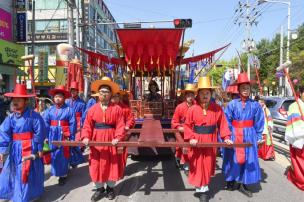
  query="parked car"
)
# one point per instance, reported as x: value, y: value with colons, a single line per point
x: 278, y: 107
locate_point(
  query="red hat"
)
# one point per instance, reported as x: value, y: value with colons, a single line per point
x: 74, y: 85
x: 233, y: 89
x: 243, y: 78
x: 19, y: 91
x: 60, y: 89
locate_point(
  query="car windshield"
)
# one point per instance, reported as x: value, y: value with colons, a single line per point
x: 270, y: 103
x: 286, y: 104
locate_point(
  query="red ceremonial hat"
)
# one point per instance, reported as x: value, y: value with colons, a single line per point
x: 74, y: 85
x: 60, y: 89
x: 243, y: 78
x: 19, y: 91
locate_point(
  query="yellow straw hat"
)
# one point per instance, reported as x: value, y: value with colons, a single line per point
x: 105, y: 81
x: 189, y: 88
x: 205, y: 83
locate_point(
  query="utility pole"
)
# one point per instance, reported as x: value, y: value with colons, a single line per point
x: 247, y: 15
x: 281, y: 89
x: 287, y: 86
x: 77, y: 27
x: 33, y: 40
x: 70, y: 6
x: 248, y: 27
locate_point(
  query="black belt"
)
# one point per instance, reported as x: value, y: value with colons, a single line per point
x: 103, y: 126
x: 204, y: 129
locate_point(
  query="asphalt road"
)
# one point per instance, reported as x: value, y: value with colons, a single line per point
x: 158, y: 180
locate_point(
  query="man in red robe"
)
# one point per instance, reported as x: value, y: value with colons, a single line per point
x: 105, y: 123
x: 203, y: 122
x: 178, y: 121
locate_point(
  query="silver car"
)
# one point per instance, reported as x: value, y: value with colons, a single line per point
x: 278, y: 107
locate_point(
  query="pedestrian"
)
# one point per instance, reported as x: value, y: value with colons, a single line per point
x: 78, y: 106
x: 266, y: 150
x: 294, y: 135
x: 21, y: 134
x: 104, y: 122
x: 203, y: 121
x: 61, y: 125
x: 178, y: 121
x: 246, y: 120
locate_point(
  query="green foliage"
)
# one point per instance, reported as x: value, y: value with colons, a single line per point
x: 216, y: 75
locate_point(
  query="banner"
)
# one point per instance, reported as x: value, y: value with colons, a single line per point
x: 21, y: 27
x: 21, y: 5
x: 11, y: 53
x: 43, y: 66
x: 5, y: 25
x: 64, y: 53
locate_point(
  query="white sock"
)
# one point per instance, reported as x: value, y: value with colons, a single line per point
x: 98, y: 185
x: 111, y: 184
x: 202, y: 189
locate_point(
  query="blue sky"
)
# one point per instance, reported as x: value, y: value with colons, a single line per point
x: 213, y: 24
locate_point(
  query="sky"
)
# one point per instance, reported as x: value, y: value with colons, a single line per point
x: 213, y: 20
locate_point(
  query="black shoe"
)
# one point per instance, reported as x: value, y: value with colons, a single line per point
x: 204, y: 197
x: 74, y: 166
x: 110, y: 193
x: 98, y: 194
x: 230, y: 185
x: 62, y: 181
x: 243, y: 189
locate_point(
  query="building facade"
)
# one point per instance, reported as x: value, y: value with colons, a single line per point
x: 10, y: 52
x: 51, y: 29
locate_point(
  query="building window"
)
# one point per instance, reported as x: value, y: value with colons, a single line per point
x: 50, y: 4
x: 50, y: 26
x: 63, y: 25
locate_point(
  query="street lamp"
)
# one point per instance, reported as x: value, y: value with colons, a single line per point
x: 288, y: 3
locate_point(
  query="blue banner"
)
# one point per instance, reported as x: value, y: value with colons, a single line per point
x: 21, y: 27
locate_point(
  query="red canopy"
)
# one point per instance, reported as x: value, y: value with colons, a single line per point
x: 203, y: 56
x: 95, y: 58
x: 149, y: 49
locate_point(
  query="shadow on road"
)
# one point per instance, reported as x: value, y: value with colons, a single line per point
x: 77, y: 178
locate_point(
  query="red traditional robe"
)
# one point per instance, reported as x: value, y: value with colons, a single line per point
x: 128, y: 116
x: 105, y: 163
x: 202, y: 160
x: 129, y: 122
x: 178, y: 120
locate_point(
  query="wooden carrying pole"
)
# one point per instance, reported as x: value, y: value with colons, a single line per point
x: 149, y: 144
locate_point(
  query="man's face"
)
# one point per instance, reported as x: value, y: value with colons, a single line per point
x: 74, y: 93
x: 59, y: 99
x: 125, y: 98
x: 153, y: 88
x: 204, y: 95
x: 19, y: 103
x: 115, y: 99
x: 105, y: 94
x: 190, y: 97
x: 244, y: 90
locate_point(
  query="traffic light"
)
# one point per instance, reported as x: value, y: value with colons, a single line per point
x: 182, y: 23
